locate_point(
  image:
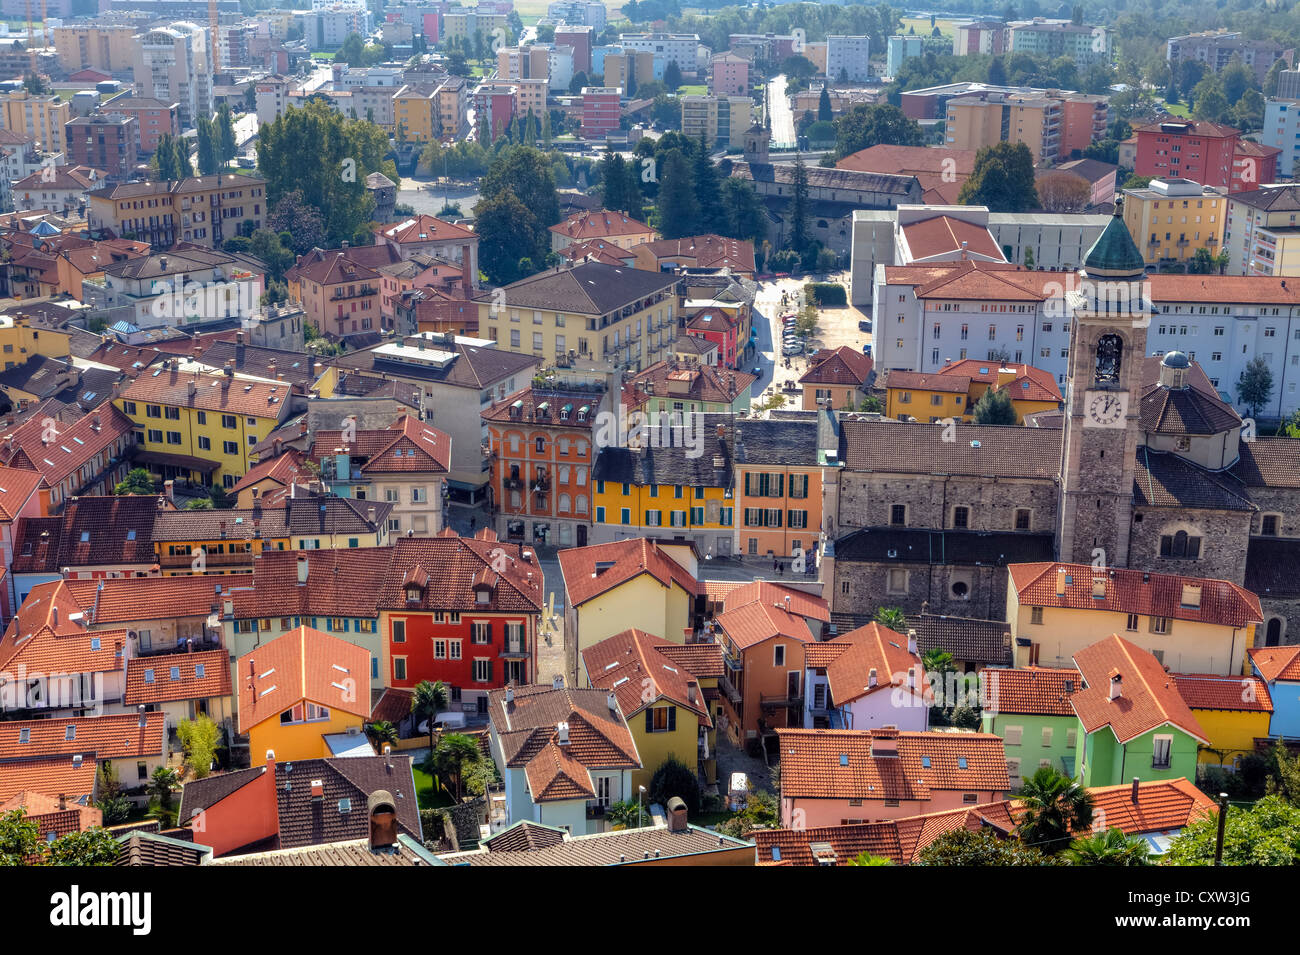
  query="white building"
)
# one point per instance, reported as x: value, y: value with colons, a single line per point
x: 559, y: 63
x: 680, y: 48
x: 1282, y: 129
x: 329, y: 22
x: 848, y: 56
x: 172, y: 64
x: 578, y: 13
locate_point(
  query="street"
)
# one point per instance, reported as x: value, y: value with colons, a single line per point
x: 778, y: 105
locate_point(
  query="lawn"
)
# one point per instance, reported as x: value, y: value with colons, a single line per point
x: 425, y: 792
x: 695, y: 89
x: 710, y: 819
x: 1178, y: 109
x: 923, y: 28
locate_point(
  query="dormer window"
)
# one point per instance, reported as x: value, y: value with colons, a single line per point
x: 412, y: 594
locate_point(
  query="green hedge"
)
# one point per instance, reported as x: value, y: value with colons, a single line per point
x: 826, y: 293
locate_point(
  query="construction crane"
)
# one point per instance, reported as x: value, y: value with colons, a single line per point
x: 31, y: 41
x: 214, y: 28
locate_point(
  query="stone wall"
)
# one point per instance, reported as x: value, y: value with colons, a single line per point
x: 862, y: 587
x: 1224, y: 538
x: 866, y: 500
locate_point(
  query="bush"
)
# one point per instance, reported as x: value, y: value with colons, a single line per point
x: 786, y: 260
x: 826, y: 293
x: 674, y: 778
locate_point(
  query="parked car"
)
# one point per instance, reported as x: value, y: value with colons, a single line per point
x: 757, y: 371
x: 792, y: 348
x: 866, y: 349
x: 864, y: 326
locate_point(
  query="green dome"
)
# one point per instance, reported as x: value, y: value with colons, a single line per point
x: 1114, y: 251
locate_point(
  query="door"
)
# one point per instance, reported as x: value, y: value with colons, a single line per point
x: 1274, y: 635
x: 582, y: 535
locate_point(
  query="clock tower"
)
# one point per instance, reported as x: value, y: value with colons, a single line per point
x: 1099, y: 445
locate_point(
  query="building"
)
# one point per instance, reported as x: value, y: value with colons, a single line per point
x: 203, y: 210
x: 184, y: 686
x: 848, y: 58
x: 60, y: 189
x: 579, y: 38
x: 1193, y: 218
x: 941, y: 171
x: 721, y: 120
x: 781, y: 491
x: 1034, y: 718
x: 184, y: 287
x: 108, y: 143
x: 600, y: 110
x: 88, y: 456
x: 1135, y: 723
x: 154, y: 119
x: 615, y: 228
x: 679, y: 48
x: 132, y: 745
x: 898, y: 50
x: 174, y: 64
x: 578, y: 12
x: 980, y: 36
x: 698, y: 253
x: 663, y: 703
x: 728, y: 75
x: 95, y: 45
x: 566, y: 755
x: 985, y: 118
x: 839, y: 380
x: 1281, y: 129
x: 1051, y: 39
x: 1259, y: 233
x: 39, y: 117
x: 1218, y: 48
x: 340, y: 295
x: 1207, y: 153
x: 1279, y: 669
x: 1195, y: 624
x: 1101, y: 177
x: 847, y: 777
x: 954, y: 390
x: 1234, y: 711
x: 865, y: 679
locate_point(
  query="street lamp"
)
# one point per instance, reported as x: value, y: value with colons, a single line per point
x: 640, y: 793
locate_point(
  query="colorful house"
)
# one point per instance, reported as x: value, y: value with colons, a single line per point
x: 302, y: 695
x: 1279, y: 667
x: 839, y: 380
x: 1032, y: 714
x: 954, y: 389
x: 663, y: 703
x: 1234, y: 711
x: 1134, y: 721
x: 844, y: 777
x: 182, y: 686
x: 863, y: 679
x: 779, y: 488
x: 690, y: 387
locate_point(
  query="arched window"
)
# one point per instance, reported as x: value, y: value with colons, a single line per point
x: 582, y: 504
x: 564, y: 503
x: 1180, y: 544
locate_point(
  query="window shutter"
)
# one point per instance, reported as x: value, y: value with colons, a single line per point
x: 649, y: 720
x: 780, y: 485
x: 672, y: 718
x: 747, y: 484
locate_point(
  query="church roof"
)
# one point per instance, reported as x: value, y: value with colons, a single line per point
x: 1167, y: 480
x: 1114, y: 250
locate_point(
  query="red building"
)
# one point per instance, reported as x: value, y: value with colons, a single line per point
x: 461, y: 610
x: 497, y: 105
x: 153, y: 118
x: 578, y: 37
x: 600, y: 110
x: 1207, y: 153
x: 104, y: 142
x: 715, y: 325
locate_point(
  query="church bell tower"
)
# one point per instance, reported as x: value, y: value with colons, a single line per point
x: 1108, y: 339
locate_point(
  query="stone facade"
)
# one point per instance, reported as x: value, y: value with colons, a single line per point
x: 861, y: 587
x: 1224, y: 536
x: 867, y: 500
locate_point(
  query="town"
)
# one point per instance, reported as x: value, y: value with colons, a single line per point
x: 585, y: 433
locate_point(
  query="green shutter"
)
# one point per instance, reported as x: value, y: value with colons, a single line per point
x: 649, y: 719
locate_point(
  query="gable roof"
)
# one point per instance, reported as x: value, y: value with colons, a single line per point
x: 59, y: 451
x: 602, y: 223
x: 49, y: 774
x: 303, y: 821
x: 591, y: 288
x: 407, y: 445
x: 632, y: 666
x: 1033, y: 691
x: 842, y: 366
x: 1148, y: 700
x: 341, y: 582
x: 213, y: 393
x: 303, y: 664
x: 128, y: 599
x: 1277, y: 663
x: 17, y: 485
x: 980, y: 451
x: 706, y: 251
x: 1209, y: 691
x: 425, y: 228
x: 94, y: 737
x: 587, y: 577
x: 453, y: 566
x: 171, y: 677
x: 48, y: 634
x: 853, y: 658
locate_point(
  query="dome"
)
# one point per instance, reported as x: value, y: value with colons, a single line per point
x: 1175, y: 359
x: 1114, y: 252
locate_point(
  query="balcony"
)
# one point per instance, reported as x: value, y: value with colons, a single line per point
x: 361, y: 291
x: 541, y: 484
x: 515, y: 650
x: 779, y: 700
x: 171, y: 561
x: 512, y: 484
x: 729, y: 690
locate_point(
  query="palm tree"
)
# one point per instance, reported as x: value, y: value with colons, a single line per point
x: 1055, y: 806
x: 866, y: 858
x: 1111, y: 847
x: 381, y: 732
x: 428, y: 700
x: 160, y: 788
x: 623, y: 815
x: 891, y: 617
x: 455, y: 753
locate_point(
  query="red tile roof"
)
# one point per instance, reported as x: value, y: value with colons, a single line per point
x: 583, y: 226
x: 851, y: 658
x: 1277, y: 663
x: 49, y: 774
x: 701, y: 660
x: 407, y: 445
x: 1163, y: 806
x: 52, y: 818
x: 755, y: 622
x: 978, y: 281
x: 800, y: 602
x: 1134, y: 591
x: 151, y: 679
x: 1036, y: 691
x: 706, y: 251
x: 1149, y: 697
x: 17, y: 485
x: 47, y: 635
x: 60, y: 450
x: 284, y: 470
x: 304, y: 664
x: 1029, y: 383
x: 628, y: 559
x: 129, y: 599
x: 95, y: 737
x: 919, y: 381
x: 633, y: 667
x: 454, y: 564
x: 1206, y: 691
x: 343, y: 582
x: 425, y: 228
x: 842, y: 366
x: 944, y: 235
x: 212, y: 393
x: 839, y: 764
x: 597, y: 250
x: 1223, y: 289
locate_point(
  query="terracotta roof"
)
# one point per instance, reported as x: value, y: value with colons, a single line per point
x: 596, y: 250
x: 175, y: 676
x: 285, y: 470
x: 212, y: 393
x: 980, y: 450
x: 852, y: 658
x: 586, y: 576
x: 625, y: 847
x: 1149, y: 697
x: 1029, y: 383
x: 1223, y: 289
x: 304, y: 664
x: 977, y: 281
x: 752, y: 623
x: 58, y: 452
x: 425, y: 228
x: 582, y: 226
x: 391, y: 705
x: 1269, y: 462
x: 54, y: 820
x: 1206, y: 691
x: 701, y: 660
x: 1189, y: 127
x: 590, y: 289
x: 944, y: 235
x: 801, y: 602
x: 304, y: 821
x: 95, y: 737
x: 1134, y: 591
x: 453, y: 565
x: 839, y: 764
x: 49, y: 774
x: 1032, y: 691
x: 1277, y: 663
x: 1163, y: 806
x: 705, y: 251
x: 631, y: 665
x: 47, y: 636
x: 896, y: 379
x: 524, y: 836
x: 702, y: 382
x: 129, y: 599
x: 17, y: 485
x: 842, y: 366
x: 558, y: 402
x: 407, y: 445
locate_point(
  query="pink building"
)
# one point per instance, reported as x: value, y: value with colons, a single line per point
x: 600, y: 110
x: 153, y: 118
x: 580, y: 39
x: 841, y: 777
x: 730, y: 75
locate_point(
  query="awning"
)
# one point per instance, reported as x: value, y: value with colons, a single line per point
x: 465, y: 485
x: 177, y: 461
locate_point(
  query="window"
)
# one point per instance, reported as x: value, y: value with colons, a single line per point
x: 482, y: 632
x: 1159, y: 624
x: 778, y: 655
x: 1161, y: 751
x: 1132, y: 623
x: 230, y: 447
x: 1047, y: 736
x: 1269, y: 525
x: 399, y: 631
x: 205, y: 444
x: 897, y: 581
x: 1022, y: 518
x: 399, y: 668
x: 961, y: 517
x: 482, y: 670
x: 1180, y: 546
x: 898, y: 514
x: 1036, y: 615
x: 228, y: 421
x: 1013, y: 736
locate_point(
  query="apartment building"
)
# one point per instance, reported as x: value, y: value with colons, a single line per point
x: 848, y: 58
x: 1282, y: 130
x: 205, y: 210
x: 1209, y: 153
x: 1260, y: 232
x: 722, y: 120
x: 578, y: 11
x: 987, y: 118
x: 173, y: 64
x: 1172, y: 218
x: 898, y: 50
x: 1217, y: 48
x: 729, y: 75
x: 39, y: 118
x: 580, y: 39
x: 1085, y: 45
x: 679, y: 48
x: 153, y: 118
x: 106, y: 142
x: 105, y: 47
x: 981, y: 36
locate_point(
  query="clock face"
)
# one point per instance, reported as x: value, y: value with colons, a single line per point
x: 1105, y: 409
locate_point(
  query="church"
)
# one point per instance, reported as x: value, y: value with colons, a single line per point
x: 1150, y: 469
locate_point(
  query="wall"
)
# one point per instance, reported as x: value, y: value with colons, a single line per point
x: 249, y: 814
x: 1232, y: 733
x: 1063, y: 756
x: 298, y: 740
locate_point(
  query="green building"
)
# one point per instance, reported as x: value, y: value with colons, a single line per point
x: 1030, y: 709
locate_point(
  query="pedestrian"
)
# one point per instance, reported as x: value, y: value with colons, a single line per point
x: 780, y: 568
x: 774, y: 564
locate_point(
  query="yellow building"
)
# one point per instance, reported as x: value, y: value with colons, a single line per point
x: 1234, y: 711
x: 661, y: 699
x: 198, y: 426
x: 19, y: 341
x: 204, y: 210
x: 415, y: 112
x: 39, y: 117
x: 1190, y: 624
x: 954, y: 390
x: 591, y: 311
x: 304, y: 695
x: 988, y: 118
x: 608, y: 585
x: 1171, y: 218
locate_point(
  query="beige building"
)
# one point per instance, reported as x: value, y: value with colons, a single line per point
x: 40, y: 118
x: 986, y: 118
x: 1172, y: 218
x: 107, y: 47
x: 205, y: 210
x: 722, y: 120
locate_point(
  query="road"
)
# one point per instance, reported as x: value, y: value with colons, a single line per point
x: 768, y: 310
x: 782, y: 117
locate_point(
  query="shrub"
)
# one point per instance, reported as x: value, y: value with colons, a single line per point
x: 826, y: 293
x: 674, y: 778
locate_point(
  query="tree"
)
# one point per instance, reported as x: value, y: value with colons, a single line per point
x: 352, y: 52
x: 381, y: 733
x: 708, y: 198
x: 1063, y: 192
x: 679, y: 210
x: 20, y: 838
x: 674, y: 778
x: 865, y: 126
x: 824, y: 112
x: 199, y: 738
x: 627, y: 814
x: 454, y: 754
x: 114, y: 806
x: 1055, y: 806
x: 93, y: 847
x: 427, y: 701
x: 1271, y: 79
x: 1003, y: 179
x: 1205, y: 262
x: 995, y: 407
x: 225, y: 134
x: 1111, y: 847
x: 672, y: 76
x: 980, y: 847
x: 578, y: 82
x: 162, y: 166
x: 35, y: 84
x: 1134, y: 181
x: 866, y: 858
x: 161, y: 789
x: 209, y: 149
x: 271, y: 248
x: 1248, y: 111
x: 199, y: 504
x: 1268, y: 833
x: 1255, y: 385
x: 745, y: 217
x: 525, y: 172
x: 797, y: 211
x: 137, y: 481
x: 891, y: 618
x: 497, y: 222
x: 1210, y: 102
x: 997, y: 72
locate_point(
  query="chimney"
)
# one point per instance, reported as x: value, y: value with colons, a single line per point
x: 1134, y: 793
x: 1115, y: 681
x: 192, y: 389
x: 277, y: 444
x: 383, y: 821
x: 302, y: 569
x: 54, y: 615
x: 562, y: 730
x: 871, y: 679
x: 884, y: 742
x: 94, y: 421
x: 169, y: 490
x: 911, y: 642
x: 466, y: 280
x: 257, y: 495
x: 370, y: 515
x: 140, y: 710
x: 510, y: 692
x: 63, y: 801
x: 677, y: 821
x: 317, y: 790
x: 558, y: 682
x: 612, y: 702
x: 1060, y: 581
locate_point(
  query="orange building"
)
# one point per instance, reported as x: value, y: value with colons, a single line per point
x: 838, y: 380
x: 779, y: 493
x: 339, y: 296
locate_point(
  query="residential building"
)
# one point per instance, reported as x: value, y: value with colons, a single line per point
x: 578, y: 12
x: 728, y: 75
x: 1217, y: 49
x: 302, y: 695
x: 679, y: 48
x: 182, y: 287
x: 1034, y: 718
x: 173, y: 64
x: 663, y: 703
x: 959, y: 385
x: 1207, y: 153
x: 600, y: 110
x: 1101, y: 178
x: 985, y: 118
x: 1172, y: 218
x: 39, y: 117
x: 154, y: 119
x: 846, y: 777
x: 94, y: 45
x: 980, y: 36
x: 170, y: 616
x: 1279, y: 668
x: 839, y: 379
x: 61, y: 189
x: 340, y: 295
x: 204, y: 210
x: 182, y: 686
x: 1259, y: 232
x: 565, y: 755
x: 615, y: 228
x: 1281, y: 130
x: 88, y: 456
x: 898, y: 50
x: 780, y: 491
x: 104, y: 142
x: 1084, y: 45
x: 690, y: 389
x: 864, y: 679
x: 1135, y: 722
x: 132, y: 745
x: 848, y: 58
x: 579, y: 38
x: 721, y: 120
x: 698, y: 253
x: 429, y: 235
x: 1234, y: 711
